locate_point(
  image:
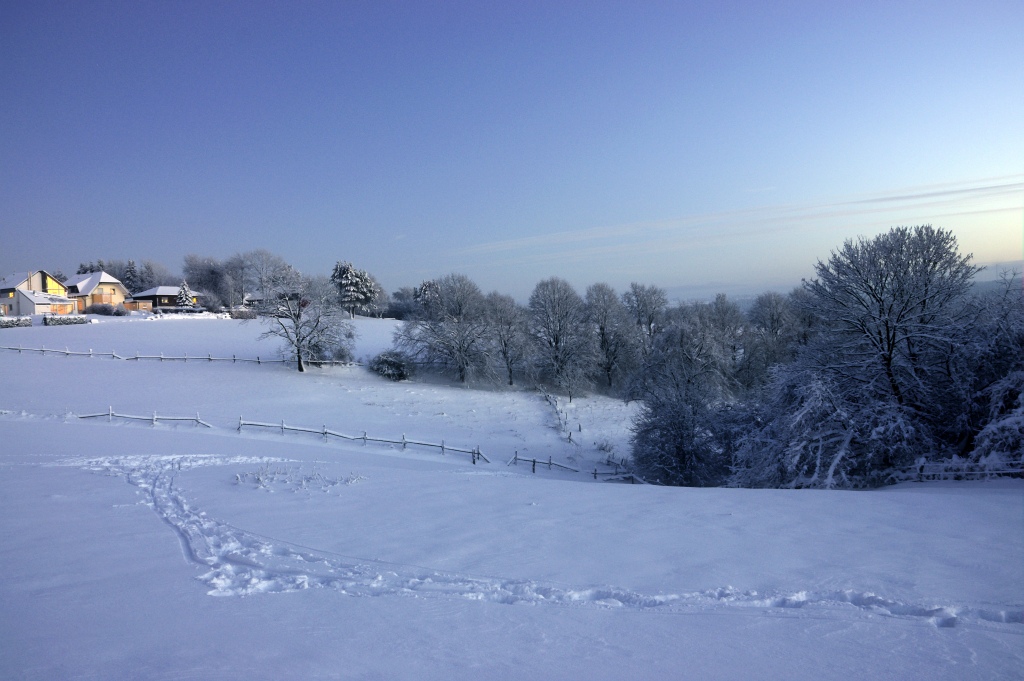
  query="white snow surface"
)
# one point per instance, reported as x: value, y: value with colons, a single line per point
x: 134, y: 550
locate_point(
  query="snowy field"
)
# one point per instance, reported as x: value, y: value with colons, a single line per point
x: 180, y: 551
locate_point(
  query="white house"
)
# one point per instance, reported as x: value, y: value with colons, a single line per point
x: 95, y: 288
x: 28, y: 293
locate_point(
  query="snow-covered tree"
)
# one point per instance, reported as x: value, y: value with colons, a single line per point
x: 357, y: 290
x: 617, y: 336
x: 449, y: 330
x: 886, y: 379
x: 154, y: 274
x: 186, y: 299
x: 769, y: 338
x: 207, y: 274
x: 507, y: 330
x: 646, y: 305
x: 304, y: 313
x: 685, y: 380
x: 131, y: 278
x: 562, y: 338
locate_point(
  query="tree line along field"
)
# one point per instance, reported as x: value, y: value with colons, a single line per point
x: 888, y: 359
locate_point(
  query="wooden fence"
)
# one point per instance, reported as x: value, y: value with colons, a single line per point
x: 326, y: 433
x: 953, y: 470
x: 110, y: 415
x: 174, y: 358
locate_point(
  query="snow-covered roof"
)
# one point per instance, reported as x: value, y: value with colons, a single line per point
x: 87, y: 283
x: 45, y: 298
x: 158, y: 291
x: 14, y: 280
x: 18, y: 278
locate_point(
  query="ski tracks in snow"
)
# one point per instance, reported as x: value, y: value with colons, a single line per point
x: 241, y: 563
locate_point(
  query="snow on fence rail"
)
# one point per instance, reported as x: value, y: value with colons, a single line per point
x: 549, y: 463
x: 110, y: 414
x: 172, y: 358
x: 955, y: 470
x: 326, y: 433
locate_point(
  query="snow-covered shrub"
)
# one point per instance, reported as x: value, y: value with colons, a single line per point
x: 105, y: 309
x: 1001, y: 442
x: 65, y: 320
x: 120, y: 311
x: 12, y: 322
x: 392, y: 364
x: 242, y: 313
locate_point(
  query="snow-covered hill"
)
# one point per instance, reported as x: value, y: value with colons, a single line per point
x: 361, y: 561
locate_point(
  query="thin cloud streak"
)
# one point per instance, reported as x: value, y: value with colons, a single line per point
x: 684, y: 234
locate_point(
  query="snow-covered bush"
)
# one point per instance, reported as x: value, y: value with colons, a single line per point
x: 1001, y: 442
x: 106, y: 309
x: 65, y: 320
x: 12, y: 322
x: 242, y: 313
x: 392, y: 365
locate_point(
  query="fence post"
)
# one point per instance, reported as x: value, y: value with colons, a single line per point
x: 549, y: 463
x: 403, y: 440
x: 232, y: 359
x: 186, y: 356
x: 110, y: 414
x: 364, y: 438
x: 595, y: 474
x: 515, y: 459
x: 197, y: 417
x: 154, y: 418
x: 161, y: 356
x: 258, y: 359
x: 210, y: 357
x: 239, y: 424
x: 282, y: 426
x: 534, y: 465
x: 442, y: 447
x: 325, y: 432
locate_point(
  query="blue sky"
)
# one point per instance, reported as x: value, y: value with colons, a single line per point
x: 699, y: 147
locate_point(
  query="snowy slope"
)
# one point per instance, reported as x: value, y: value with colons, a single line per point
x: 185, y: 552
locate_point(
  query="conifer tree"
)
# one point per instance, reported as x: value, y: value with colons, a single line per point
x: 131, y: 278
x: 185, y: 296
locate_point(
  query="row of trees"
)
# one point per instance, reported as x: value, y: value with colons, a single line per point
x: 570, y: 342
x: 888, y: 358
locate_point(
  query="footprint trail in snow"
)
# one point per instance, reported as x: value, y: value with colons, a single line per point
x: 241, y: 563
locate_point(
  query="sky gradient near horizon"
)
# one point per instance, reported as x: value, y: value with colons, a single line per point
x: 701, y: 147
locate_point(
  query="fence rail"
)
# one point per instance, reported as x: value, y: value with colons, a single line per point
x: 324, y: 431
x: 110, y: 415
x: 953, y: 470
x: 533, y: 461
x: 174, y: 358
x: 327, y: 433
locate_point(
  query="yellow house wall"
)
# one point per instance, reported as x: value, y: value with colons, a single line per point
x: 41, y: 282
